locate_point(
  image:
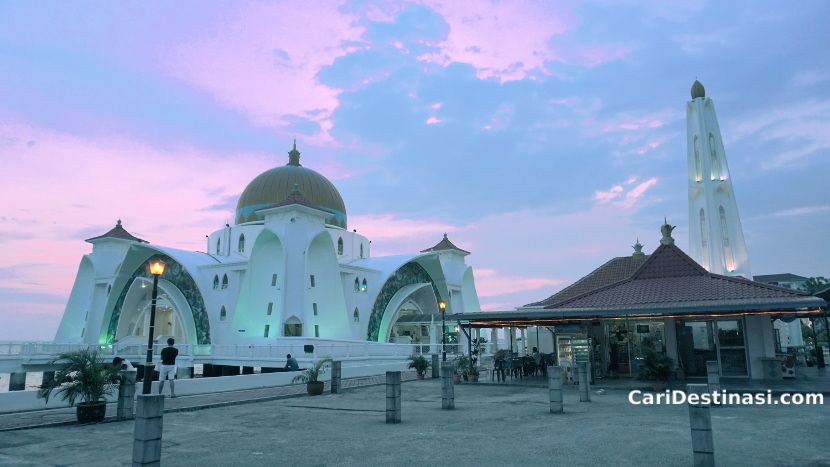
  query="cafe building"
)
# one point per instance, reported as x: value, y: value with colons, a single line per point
x: 664, y: 301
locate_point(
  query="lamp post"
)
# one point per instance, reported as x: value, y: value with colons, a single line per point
x: 442, y: 305
x: 156, y: 269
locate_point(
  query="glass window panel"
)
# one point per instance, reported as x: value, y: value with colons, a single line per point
x: 730, y: 333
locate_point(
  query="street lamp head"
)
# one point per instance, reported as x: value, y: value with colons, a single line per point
x: 442, y: 305
x: 157, y: 268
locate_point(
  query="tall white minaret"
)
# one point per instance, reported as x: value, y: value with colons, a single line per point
x: 716, y: 239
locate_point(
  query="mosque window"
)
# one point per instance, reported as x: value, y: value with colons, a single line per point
x: 83, y: 331
x: 267, y: 330
x: 714, y: 156
x: 270, y: 308
x: 223, y: 314
x: 697, y: 160
x: 215, y: 282
x: 340, y: 246
x: 218, y: 245
x: 363, y: 285
x: 109, y: 288
x: 356, y: 315
x: 241, y: 243
x: 311, y: 279
x: 361, y: 250
x: 273, y: 280
x: 314, y: 308
x: 316, y: 331
x: 293, y: 327
x: 224, y: 281
x: 356, y: 284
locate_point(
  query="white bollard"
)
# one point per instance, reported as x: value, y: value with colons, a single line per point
x: 393, y: 397
x: 700, y: 421
x: 555, y: 390
x: 447, y: 389
x: 126, y: 395
x: 149, y: 415
x: 583, y: 378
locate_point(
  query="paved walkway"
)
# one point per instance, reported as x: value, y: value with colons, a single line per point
x: 66, y: 416
x: 492, y: 425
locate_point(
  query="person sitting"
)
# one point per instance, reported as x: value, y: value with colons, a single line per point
x: 122, y: 364
x: 291, y: 363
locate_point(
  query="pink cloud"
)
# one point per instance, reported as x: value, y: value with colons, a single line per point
x: 262, y: 59
x: 492, y: 283
x: 625, y: 199
x: 651, y: 145
x: 433, y: 121
x: 512, y: 41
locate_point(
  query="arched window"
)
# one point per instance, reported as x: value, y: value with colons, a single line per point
x: 356, y: 315
x: 293, y: 327
x: 356, y: 284
x: 697, y: 160
x: 340, y: 246
x: 218, y: 245
x: 704, y: 240
x: 241, y: 247
x: 223, y: 314
x: 361, y: 250
x: 713, y: 153
x: 728, y: 259
x: 215, y: 282
x: 363, y: 285
x: 224, y: 281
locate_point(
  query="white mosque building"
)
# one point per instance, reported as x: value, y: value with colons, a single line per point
x: 288, y: 267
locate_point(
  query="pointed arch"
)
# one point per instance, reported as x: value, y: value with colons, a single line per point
x: 340, y: 246
x: 356, y: 315
x: 728, y: 258
x: 361, y: 250
x: 223, y: 314
x: 704, y: 240
x: 218, y: 245
x: 364, y: 285
x: 698, y: 171
x: 713, y: 154
x: 215, y: 281
x: 356, y: 284
x: 293, y: 327
x: 241, y: 244
x: 224, y: 281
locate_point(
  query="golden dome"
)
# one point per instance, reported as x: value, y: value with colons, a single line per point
x: 275, y: 185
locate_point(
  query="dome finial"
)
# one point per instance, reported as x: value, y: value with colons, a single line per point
x: 294, y: 155
x: 666, y: 230
x: 698, y: 90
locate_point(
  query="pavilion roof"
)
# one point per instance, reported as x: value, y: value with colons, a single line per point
x: 118, y: 232
x: 445, y: 244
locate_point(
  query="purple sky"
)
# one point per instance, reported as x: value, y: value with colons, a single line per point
x: 544, y: 137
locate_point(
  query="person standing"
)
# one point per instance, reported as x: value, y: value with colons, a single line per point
x: 168, y: 367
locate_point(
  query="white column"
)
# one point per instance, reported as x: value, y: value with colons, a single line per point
x: 523, y: 348
x: 494, y: 340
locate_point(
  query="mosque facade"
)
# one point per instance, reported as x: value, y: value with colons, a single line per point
x: 287, y: 267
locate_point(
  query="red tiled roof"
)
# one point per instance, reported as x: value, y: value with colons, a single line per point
x: 670, y: 278
x: 444, y: 244
x: 613, y: 271
x: 118, y: 232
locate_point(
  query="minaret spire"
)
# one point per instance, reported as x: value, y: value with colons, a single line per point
x: 716, y: 239
x: 294, y: 155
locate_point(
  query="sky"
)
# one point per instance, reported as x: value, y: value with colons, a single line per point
x: 544, y: 137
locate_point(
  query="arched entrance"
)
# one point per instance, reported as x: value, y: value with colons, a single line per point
x: 407, y: 297
x: 174, y: 318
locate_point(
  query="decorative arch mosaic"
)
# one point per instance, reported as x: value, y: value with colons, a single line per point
x: 177, y: 275
x: 408, y: 274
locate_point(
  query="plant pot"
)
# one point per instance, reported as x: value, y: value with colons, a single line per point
x: 474, y: 377
x: 456, y: 379
x: 314, y: 388
x: 91, y: 412
x: 421, y: 375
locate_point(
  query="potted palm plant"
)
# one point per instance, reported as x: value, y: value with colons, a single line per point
x: 420, y: 364
x: 656, y: 367
x: 83, y: 375
x: 462, y: 368
x: 310, y: 377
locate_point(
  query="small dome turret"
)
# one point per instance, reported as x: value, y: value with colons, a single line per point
x: 698, y: 90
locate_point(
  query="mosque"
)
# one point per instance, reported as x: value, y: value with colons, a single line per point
x: 288, y: 267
